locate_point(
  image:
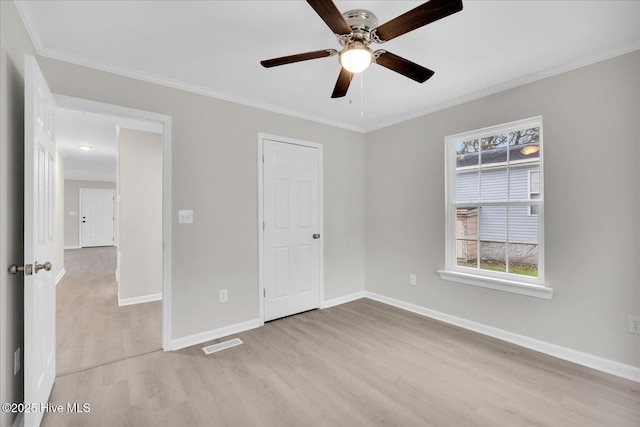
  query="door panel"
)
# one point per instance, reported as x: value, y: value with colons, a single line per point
x: 39, y: 241
x: 282, y: 269
x: 305, y: 259
x: 291, y: 215
x: 281, y: 204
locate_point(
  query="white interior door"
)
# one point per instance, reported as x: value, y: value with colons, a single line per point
x: 291, y: 229
x: 97, y: 217
x: 39, y: 242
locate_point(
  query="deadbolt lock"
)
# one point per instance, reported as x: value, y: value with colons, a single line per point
x: 316, y: 236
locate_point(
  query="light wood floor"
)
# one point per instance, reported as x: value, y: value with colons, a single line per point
x: 91, y: 329
x: 358, y: 364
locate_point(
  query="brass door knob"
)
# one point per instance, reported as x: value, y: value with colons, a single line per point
x: 15, y: 268
x: 46, y: 266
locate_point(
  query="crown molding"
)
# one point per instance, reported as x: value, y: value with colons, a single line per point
x: 44, y: 51
x: 521, y: 81
x: 92, y: 178
x: 29, y: 23
x: 47, y: 52
x: 187, y: 87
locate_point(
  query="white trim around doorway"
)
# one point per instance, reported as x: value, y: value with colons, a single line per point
x: 164, y: 123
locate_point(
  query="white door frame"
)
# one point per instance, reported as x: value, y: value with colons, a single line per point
x: 165, y: 122
x: 319, y: 147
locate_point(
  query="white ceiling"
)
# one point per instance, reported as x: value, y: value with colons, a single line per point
x: 214, y: 48
x: 74, y: 128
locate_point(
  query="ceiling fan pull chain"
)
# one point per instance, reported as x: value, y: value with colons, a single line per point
x: 361, y: 94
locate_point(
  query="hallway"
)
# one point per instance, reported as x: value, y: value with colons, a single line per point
x: 91, y: 329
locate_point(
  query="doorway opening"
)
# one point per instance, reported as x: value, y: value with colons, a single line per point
x: 106, y: 312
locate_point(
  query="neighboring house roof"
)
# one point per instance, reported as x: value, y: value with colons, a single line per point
x: 496, y: 155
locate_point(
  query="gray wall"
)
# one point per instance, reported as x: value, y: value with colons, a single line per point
x: 72, y: 203
x: 140, y: 206
x: 215, y: 173
x: 14, y: 44
x: 591, y: 142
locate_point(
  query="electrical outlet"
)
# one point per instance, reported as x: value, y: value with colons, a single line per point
x: 634, y: 324
x: 412, y: 279
x: 224, y: 295
x: 16, y: 361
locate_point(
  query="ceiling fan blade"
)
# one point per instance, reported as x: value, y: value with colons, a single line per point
x: 268, y: 63
x: 402, y: 66
x: 416, y: 18
x: 330, y: 14
x: 342, y: 85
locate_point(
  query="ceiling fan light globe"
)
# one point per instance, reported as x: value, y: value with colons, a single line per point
x: 356, y: 60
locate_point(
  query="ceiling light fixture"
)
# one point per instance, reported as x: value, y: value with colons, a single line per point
x: 530, y: 149
x: 84, y: 147
x: 356, y: 57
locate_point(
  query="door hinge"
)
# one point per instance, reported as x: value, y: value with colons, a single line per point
x: 264, y: 292
x: 263, y: 226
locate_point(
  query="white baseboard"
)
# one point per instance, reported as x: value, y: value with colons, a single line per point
x: 585, y: 359
x: 60, y: 276
x: 138, y: 300
x: 343, y: 300
x: 214, y: 334
x: 73, y: 247
x: 202, y: 337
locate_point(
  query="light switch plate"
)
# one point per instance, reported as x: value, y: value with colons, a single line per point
x: 185, y: 217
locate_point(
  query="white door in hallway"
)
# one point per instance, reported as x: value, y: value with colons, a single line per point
x: 39, y: 243
x: 97, y: 217
x: 291, y: 229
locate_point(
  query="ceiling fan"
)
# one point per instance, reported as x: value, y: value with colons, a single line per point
x: 357, y: 29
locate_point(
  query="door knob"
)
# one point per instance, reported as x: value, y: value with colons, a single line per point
x: 316, y: 236
x: 15, y: 268
x: 46, y: 266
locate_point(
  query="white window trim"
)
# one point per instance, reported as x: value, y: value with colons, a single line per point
x: 506, y: 285
x: 523, y: 285
x: 530, y: 192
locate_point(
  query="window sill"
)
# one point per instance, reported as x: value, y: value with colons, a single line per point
x: 513, y: 286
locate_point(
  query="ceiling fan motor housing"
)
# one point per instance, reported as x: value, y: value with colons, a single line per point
x: 361, y: 22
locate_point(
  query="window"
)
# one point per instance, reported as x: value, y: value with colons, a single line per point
x: 494, y: 198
